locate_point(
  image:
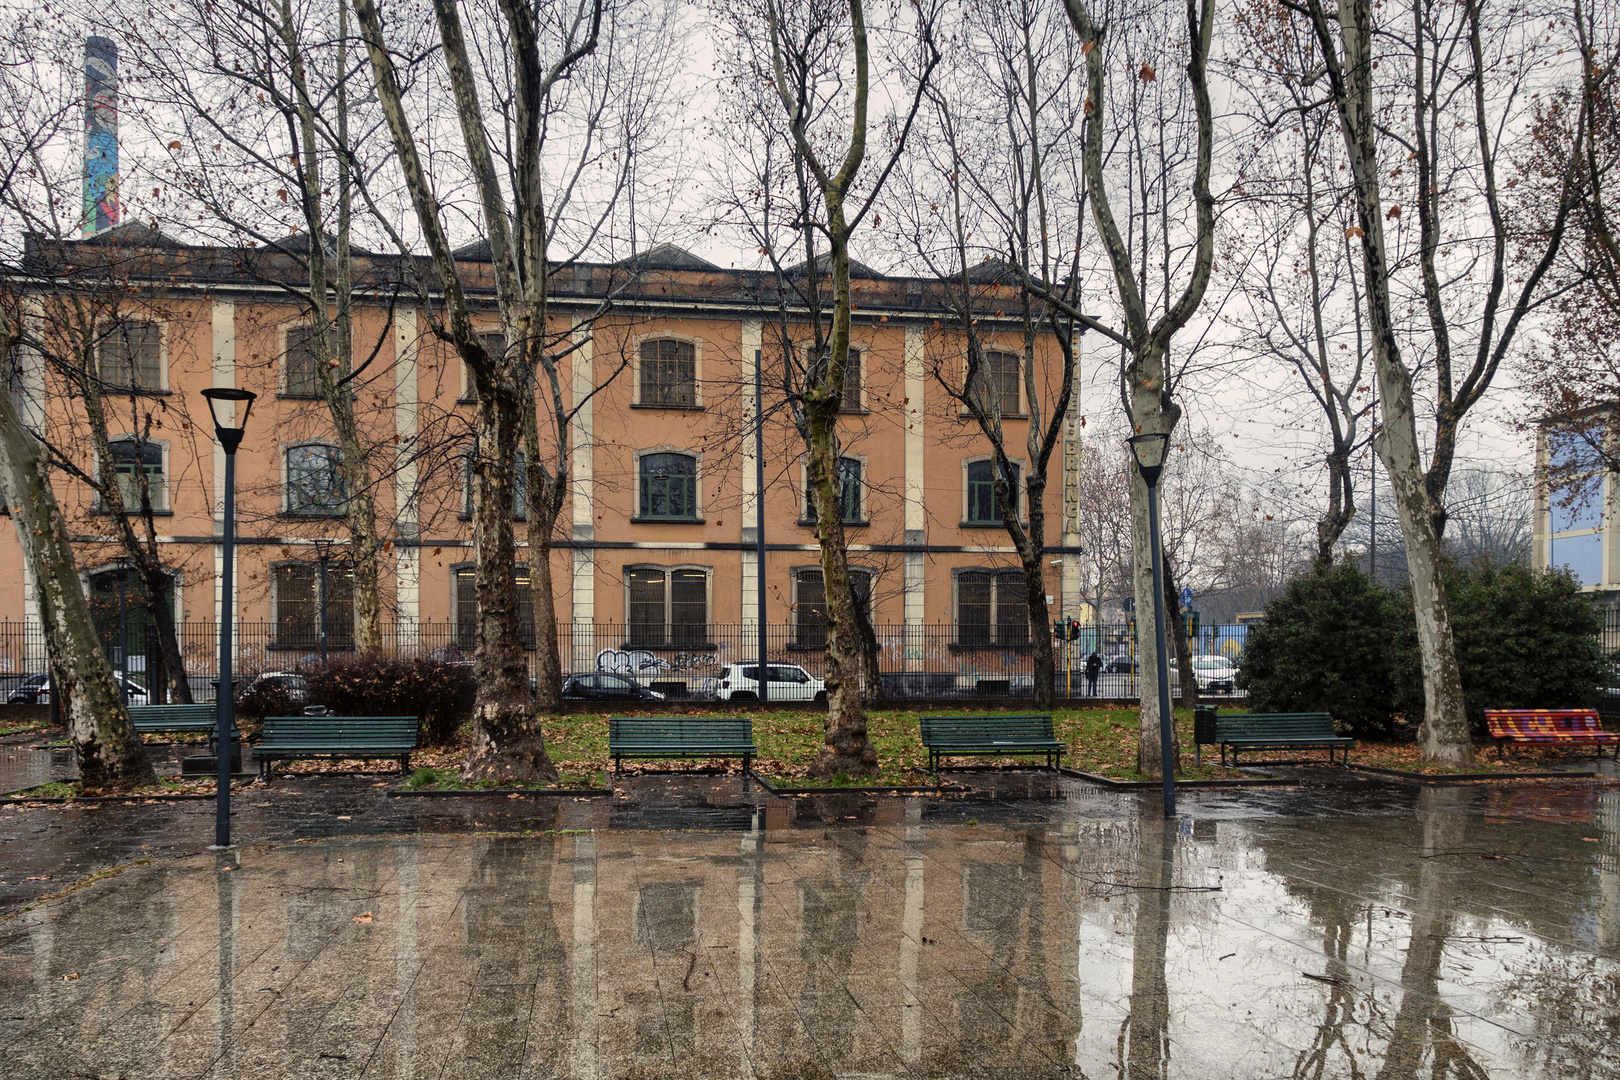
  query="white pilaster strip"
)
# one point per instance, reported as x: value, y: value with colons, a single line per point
x: 915, y: 495
x: 223, y: 315
x: 752, y: 576
x: 407, y: 405
x: 31, y: 411
x: 582, y: 481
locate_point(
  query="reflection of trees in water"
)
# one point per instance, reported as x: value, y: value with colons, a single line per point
x: 515, y: 952
x: 1424, y: 1027
x: 1144, y: 1038
x: 666, y: 926
x: 1005, y: 909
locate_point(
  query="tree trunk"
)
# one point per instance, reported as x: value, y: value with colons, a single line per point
x: 110, y: 754
x: 161, y: 610
x: 544, y: 504
x: 846, y: 748
x: 1173, y: 624
x: 1443, y: 733
x: 507, y: 743
x: 876, y: 694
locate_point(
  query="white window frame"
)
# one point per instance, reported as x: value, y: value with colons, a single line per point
x: 1018, y: 490
x: 163, y: 446
x: 668, y: 570
x: 697, y: 498
x: 994, y: 625
x: 697, y: 370
x: 105, y: 328
x: 286, y: 476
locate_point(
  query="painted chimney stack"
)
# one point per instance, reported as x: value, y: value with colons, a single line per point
x: 100, y: 135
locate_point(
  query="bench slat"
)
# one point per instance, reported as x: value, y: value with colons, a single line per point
x: 336, y: 737
x: 1279, y: 731
x: 1573, y: 727
x: 989, y: 736
x: 681, y: 737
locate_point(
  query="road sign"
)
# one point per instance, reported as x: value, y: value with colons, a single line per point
x: 1186, y: 596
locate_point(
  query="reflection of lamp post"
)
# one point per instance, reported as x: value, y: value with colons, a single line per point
x: 228, y: 429
x: 1149, y: 450
x: 323, y: 556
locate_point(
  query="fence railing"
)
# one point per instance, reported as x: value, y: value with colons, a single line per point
x: 914, y: 661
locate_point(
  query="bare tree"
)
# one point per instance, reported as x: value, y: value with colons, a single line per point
x: 32, y: 118
x: 807, y: 83
x: 996, y: 201
x: 528, y: 61
x: 1154, y: 127
x: 1464, y: 74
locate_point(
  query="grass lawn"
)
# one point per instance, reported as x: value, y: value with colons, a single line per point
x: 72, y: 789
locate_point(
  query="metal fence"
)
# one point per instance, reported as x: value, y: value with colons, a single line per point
x: 916, y: 661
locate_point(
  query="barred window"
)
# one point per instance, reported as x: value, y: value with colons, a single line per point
x: 131, y: 355
x: 466, y: 605
x: 315, y: 480
x: 983, y: 508
x: 303, y: 367
x: 998, y: 383
x: 131, y: 460
x: 810, y: 604
x: 298, y: 605
x: 668, y: 608
x: 520, y: 486
x: 668, y: 372
x: 852, y: 375
x: 992, y: 608
x: 668, y: 487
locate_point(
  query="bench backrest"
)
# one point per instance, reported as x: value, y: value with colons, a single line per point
x: 940, y: 728
x: 1505, y: 722
x: 348, y: 732
x: 1318, y: 725
x: 680, y: 730
x: 160, y: 716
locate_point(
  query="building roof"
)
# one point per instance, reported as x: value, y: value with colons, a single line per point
x: 823, y: 265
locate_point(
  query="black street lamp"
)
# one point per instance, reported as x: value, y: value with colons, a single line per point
x: 1149, y: 450
x: 228, y: 429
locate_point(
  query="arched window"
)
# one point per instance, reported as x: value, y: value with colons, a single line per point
x: 132, y: 460
x: 992, y: 608
x: 983, y: 508
x: 668, y: 487
x: 668, y: 373
x: 315, y: 480
x: 131, y: 355
x: 851, y: 501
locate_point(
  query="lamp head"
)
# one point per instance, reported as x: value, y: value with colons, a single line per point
x: 1149, y: 450
x: 222, y: 401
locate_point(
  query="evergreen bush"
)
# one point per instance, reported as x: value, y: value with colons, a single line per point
x: 1327, y: 645
x: 439, y: 692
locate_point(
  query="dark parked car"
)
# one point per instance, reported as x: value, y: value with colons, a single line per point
x: 1119, y: 664
x: 28, y: 691
x: 604, y: 686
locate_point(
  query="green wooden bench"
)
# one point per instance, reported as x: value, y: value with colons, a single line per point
x: 681, y: 737
x: 1279, y: 731
x: 194, y: 719
x: 336, y: 737
x: 989, y: 736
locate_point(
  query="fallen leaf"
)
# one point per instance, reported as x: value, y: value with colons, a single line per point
x: 1147, y: 74
x: 70, y: 978
x: 364, y: 917
x: 1394, y: 212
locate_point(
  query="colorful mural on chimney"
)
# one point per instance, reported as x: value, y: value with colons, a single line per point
x: 100, y: 135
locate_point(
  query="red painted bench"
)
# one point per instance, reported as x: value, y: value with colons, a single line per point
x: 1577, y: 727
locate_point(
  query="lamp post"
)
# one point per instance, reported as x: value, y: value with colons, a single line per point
x: 1149, y: 450
x: 228, y: 429
x: 762, y: 683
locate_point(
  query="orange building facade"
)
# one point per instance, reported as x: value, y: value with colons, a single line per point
x: 655, y: 552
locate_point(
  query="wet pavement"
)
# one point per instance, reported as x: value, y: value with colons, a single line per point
x: 1343, y: 927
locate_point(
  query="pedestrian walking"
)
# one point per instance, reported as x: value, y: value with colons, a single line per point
x: 1093, y: 669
